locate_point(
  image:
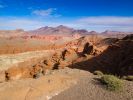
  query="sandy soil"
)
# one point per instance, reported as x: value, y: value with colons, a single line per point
x: 42, y: 88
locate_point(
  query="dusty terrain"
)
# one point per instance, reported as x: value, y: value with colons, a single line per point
x: 41, y: 65
x: 75, y: 84
x: 38, y: 89
x: 88, y: 87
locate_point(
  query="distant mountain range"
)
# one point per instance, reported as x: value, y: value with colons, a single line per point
x: 107, y: 32
x: 115, y: 34
x: 64, y: 30
x: 61, y: 31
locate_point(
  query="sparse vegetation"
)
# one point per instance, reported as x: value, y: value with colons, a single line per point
x: 129, y: 78
x: 112, y: 82
x: 99, y: 73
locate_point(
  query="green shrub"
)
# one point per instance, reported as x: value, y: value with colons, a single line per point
x: 129, y: 78
x: 99, y: 73
x: 113, y: 83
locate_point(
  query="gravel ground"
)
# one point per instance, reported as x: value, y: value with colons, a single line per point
x: 88, y: 88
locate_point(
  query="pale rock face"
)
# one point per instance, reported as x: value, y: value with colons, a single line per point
x: 16, y: 77
x: 2, y: 76
x: 15, y: 73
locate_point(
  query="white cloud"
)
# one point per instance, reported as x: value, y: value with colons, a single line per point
x: 23, y: 23
x: 45, y: 13
x: 107, y: 20
x: 101, y: 23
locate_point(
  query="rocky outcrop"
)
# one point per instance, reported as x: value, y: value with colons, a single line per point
x: 128, y: 37
x: 90, y: 50
x: 15, y: 73
x: 26, y: 69
x: 87, y: 49
x: 35, y: 68
x: 93, y: 41
x: 117, y: 59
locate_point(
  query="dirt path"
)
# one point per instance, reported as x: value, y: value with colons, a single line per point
x: 89, y: 89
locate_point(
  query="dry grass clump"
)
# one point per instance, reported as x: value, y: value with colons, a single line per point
x: 99, y: 73
x: 129, y: 78
x: 112, y: 82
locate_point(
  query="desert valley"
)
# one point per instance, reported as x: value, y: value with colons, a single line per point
x: 66, y: 49
x: 62, y: 63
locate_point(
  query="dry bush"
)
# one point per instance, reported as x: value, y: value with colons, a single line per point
x: 129, y: 78
x: 112, y: 82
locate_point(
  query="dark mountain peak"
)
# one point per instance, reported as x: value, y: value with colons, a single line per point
x: 44, y: 28
x: 106, y: 32
x: 92, y: 32
x: 82, y: 30
x: 63, y: 27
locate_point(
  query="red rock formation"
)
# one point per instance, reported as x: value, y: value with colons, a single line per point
x: 116, y: 59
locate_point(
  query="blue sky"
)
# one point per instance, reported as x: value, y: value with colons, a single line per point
x: 98, y: 15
